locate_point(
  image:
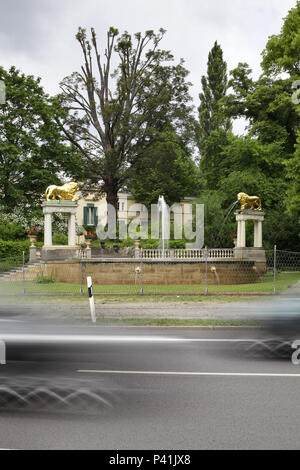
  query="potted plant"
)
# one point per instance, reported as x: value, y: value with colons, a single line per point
x: 89, y: 237
x: 234, y: 239
x: 33, y: 234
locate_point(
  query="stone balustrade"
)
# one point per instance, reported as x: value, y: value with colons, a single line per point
x: 213, y: 253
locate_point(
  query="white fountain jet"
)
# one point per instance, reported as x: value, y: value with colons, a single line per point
x: 164, y: 224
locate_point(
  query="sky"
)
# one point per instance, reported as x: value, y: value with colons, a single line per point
x: 38, y: 36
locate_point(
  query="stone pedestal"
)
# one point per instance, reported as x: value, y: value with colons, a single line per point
x: 32, y: 254
x: 50, y: 252
x: 257, y: 252
x: 136, y: 248
x: 257, y: 217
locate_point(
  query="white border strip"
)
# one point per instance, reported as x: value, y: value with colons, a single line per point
x: 86, y: 338
x: 197, y: 374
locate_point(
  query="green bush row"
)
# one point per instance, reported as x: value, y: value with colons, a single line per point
x: 14, y: 249
x: 11, y: 231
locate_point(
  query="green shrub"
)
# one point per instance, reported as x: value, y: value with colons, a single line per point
x: 44, y: 279
x: 10, y: 249
x: 149, y: 244
x: 60, y: 239
x: 127, y: 242
x: 177, y: 244
x: 11, y: 231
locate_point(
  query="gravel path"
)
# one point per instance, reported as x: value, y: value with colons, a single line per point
x: 114, y: 310
x: 203, y: 310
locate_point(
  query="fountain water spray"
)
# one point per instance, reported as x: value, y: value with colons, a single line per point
x: 164, y: 224
x: 226, y: 217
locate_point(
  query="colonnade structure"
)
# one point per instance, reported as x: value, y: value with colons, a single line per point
x: 50, y: 251
x: 242, y: 251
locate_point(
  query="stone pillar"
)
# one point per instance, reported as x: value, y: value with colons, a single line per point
x: 259, y: 235
x: 255, y: 244
x: 32, y: 254
x: 48, y: 229
x: 242, y: 233
x: 71, y: 230
x: 238, y: 234
x: 136, y: 248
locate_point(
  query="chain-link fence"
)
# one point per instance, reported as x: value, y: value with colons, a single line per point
x: 284, y: 267
x: 274, y: 271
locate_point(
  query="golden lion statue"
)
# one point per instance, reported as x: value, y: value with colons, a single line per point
x: 252, y: 201
x: 67, y: 191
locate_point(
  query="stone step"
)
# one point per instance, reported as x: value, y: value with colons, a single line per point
x: 13, y: 271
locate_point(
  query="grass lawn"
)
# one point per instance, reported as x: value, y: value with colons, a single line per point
x: 264, y: 285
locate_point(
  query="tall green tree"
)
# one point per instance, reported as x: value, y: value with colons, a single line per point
x: 165, y: 168
x: 33, y: 153
x: 116, y: 114
x: 214, y: 124
x: 282, y: 52
x: 266, y: 161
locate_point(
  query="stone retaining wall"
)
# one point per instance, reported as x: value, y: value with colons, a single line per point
x: 127, y: 272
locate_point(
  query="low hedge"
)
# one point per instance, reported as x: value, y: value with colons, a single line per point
x: 146, y: 244
x: 14, y: 249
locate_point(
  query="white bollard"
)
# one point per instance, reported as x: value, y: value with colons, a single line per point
x: 91, y: 298
x: 2, y: 352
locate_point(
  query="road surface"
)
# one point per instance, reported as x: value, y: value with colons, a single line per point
x: 106, y: 387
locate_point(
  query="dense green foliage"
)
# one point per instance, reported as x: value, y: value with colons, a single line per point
x: 214, y: 124
x: 167, y: 168
x: 11, y: 231
x: 32, y: 150
x: 14, y: 249
x: 264, y: 161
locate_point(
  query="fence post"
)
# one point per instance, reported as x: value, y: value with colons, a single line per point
x: 80, y: 269
x: 274, y: 269
x: 141, y: 275
x: 206, y: 256
x: 23, y: 273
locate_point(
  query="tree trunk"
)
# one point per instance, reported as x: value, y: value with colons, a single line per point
x: 111, y: 188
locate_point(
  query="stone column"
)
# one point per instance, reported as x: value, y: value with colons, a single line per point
x: 71, y: 230
x: 242, y: 233
x: 32, y: 254
x: 238, y: 234
x: 136, y: 248
x: 48, y: 229
x: 255, y: 233
x: 259, y: 235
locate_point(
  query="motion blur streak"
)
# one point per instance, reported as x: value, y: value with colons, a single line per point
x: 59, y: 338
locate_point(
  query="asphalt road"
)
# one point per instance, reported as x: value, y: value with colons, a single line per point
x: 103, y: 387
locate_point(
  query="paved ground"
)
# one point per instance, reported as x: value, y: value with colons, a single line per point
x: 73, y: 385
x: 204, y: 310
x: 99, y: 387
x: 114, y: 310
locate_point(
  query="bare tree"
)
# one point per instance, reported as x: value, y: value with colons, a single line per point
x: 113, y: 115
